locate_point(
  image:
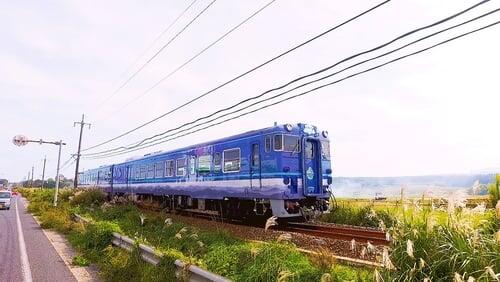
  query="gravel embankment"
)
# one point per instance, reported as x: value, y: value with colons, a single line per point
x: 337, y: 247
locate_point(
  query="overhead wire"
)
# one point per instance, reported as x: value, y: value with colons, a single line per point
x: 160, y: 50
x: 194, y: 57
x: 314, y: 73
x: 156, y: 39
x: 239, y: 76
x: 324, y: 85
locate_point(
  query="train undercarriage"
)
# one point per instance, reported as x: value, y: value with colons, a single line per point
x: 235, y: 208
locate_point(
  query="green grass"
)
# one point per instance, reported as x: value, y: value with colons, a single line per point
x: 368, y: 216
x: 80, y: 261
x: 216, y: 251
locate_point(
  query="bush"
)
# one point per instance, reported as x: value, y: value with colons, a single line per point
x: 422, y: 250
x: 273, y: 261
x: 55, y: 218
x: 227, y: 260
x: 493, y: 190
x: 345, y: 273
x: 37, y: 208
x: 65, y: 195
x: 89, y: 198
x: 360, y: 216
x: 98, y: 236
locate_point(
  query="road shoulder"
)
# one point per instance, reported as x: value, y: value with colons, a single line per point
x: 66, y: 253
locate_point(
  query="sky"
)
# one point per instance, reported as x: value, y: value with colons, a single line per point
x: 436, y: 112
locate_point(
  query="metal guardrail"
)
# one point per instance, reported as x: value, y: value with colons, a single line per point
x: 149, y: 255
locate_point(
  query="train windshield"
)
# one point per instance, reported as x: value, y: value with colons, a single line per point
x: 325, y: 150
x: 291, y: 144
x: 4, y: 195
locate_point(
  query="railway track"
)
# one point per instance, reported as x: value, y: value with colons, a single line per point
x: 360, y: 234
x: 331, y: 231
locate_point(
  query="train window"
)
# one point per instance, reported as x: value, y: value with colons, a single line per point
x: 151, y: 171
x: 159, y: 169
x: 231, y: 160
x: 137, y: 172
x: 205, y: 164
x: 255, y: 155
x: 192, y: 165
x: 325, y: 150
x: 268, y: 144
x: 278, y: 142
x: 143, y: 172
x: 181, y: 167
x: 291, y: 144
x: 217, y: 161
x: 169, y: 169
x: 309, y: 150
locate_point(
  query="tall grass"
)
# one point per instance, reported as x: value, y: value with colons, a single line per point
x: 361, y: 216
x: 494, y: 190
x: 439, y: 245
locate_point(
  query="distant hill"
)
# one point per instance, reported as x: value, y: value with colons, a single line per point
x: 362, y: 187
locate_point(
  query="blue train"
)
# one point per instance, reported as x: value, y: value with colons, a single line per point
x: 282, y: 170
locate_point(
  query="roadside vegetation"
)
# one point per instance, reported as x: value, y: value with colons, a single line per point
x: 494, y: 190
x: 216, y: 251
x: 432, y: 239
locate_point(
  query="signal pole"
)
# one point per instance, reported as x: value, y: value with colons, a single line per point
x: 43, y: 171
x: 21, y: 140
x: 82, y: 124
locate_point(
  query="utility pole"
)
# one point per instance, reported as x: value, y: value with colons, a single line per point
x: 82, y: 124
x: 43, y: 171
x: 32, y: 173
x: 28, y: 179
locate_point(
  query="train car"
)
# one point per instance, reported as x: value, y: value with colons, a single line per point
x: 282, y: 170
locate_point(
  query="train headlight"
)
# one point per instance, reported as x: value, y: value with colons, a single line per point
x: 325, y: 134
x: 288, y: 127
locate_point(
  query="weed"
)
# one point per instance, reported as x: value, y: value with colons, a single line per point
x: 80, y: 261
x: 494, y: 190
x: 361, y: 216
x: 89, y: 198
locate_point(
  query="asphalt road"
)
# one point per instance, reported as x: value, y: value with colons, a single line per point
x: 25, y: 252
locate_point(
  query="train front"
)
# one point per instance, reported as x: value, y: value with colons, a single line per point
x: 309, y: 190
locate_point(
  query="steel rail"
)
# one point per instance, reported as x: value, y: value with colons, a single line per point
x: 360, y: 234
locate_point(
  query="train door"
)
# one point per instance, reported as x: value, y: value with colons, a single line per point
x: 111, y: 180
x: 255, y: 167
x: 312, y: 167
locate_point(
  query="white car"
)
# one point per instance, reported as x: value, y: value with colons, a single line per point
x: 5, y: 199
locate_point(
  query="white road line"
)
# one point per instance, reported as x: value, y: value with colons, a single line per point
x: 25, y: 264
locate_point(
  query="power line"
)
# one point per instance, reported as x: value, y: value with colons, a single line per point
x: 157, y: 38
x: 65, y: 164
x: 311, y: 90
x: 159, y: 51
x: 193, y: 58
x: 314, y: 73
x: 240, y: 76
